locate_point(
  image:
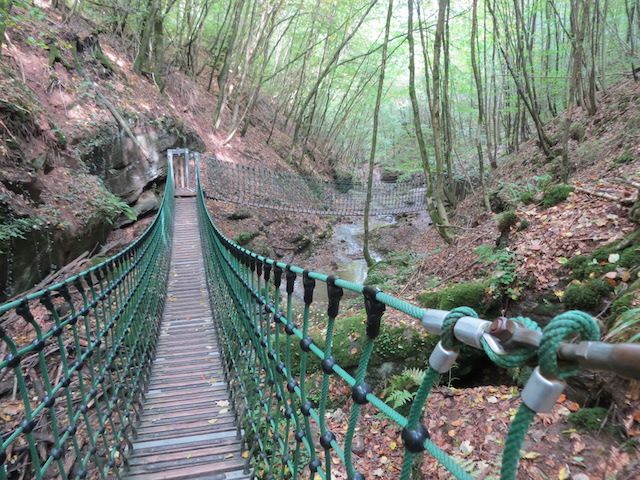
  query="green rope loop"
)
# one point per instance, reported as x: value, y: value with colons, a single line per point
x: 447, y: 337
x: 567, y: 324
x: 518, y: 356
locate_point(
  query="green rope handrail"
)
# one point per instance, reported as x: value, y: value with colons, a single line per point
x: 102, y: 323
x: 246, y: 287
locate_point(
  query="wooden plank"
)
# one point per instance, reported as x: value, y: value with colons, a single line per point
x: 187, y: 428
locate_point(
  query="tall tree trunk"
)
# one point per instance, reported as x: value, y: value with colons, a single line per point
x: 439, y: 135
x: 447, y: 121
x: 374, y: 138
x: 224, y: 74
x: 482, y: 125
x: 422, y: 147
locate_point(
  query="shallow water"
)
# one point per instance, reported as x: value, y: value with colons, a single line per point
x: 345, y: 246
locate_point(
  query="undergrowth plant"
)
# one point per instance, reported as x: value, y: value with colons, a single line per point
x: 504, y: 281
x: 627, y: 327
x: 111, y: 207
x: 18, y: 228
x: 402, y: 388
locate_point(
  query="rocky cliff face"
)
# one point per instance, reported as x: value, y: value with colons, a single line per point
x: 126, y: 170
x: 62, y: 192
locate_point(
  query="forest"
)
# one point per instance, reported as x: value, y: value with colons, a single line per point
x: 516, y: 121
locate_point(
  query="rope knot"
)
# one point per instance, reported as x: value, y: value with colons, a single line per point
x: 448, y: 338
x: 570, y: 325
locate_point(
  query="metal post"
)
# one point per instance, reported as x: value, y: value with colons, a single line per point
x: 186, y: 168
x: 170, y: 162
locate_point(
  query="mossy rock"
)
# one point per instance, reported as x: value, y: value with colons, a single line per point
x: 405, y: 344
x: 555, y: 194
x: 589, y: 419
x: 524, y: 224
x: 506, y: 220
x: 468, y: 294
x: 343, y: 181
x: 587, y: 295
x: 577, y: 131
x: 262, y: 247
x: 239, y: 215
x: 243, y: 238
x: 302, y: 242
x: 501, y: 199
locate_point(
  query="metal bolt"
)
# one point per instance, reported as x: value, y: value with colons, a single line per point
x: 502, y: 328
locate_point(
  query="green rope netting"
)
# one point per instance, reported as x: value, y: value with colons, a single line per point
x: 268, y: 350
x: 100, y: 329
x: 79, y: 355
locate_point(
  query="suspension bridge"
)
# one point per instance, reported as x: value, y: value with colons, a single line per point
x: 263, y: 188
x: 185, y: 356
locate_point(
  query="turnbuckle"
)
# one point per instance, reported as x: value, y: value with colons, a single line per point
x: 502, y: 335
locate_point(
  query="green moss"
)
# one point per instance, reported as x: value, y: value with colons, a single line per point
x: 103, y: 59
x: 468, y: 294
x: 583, y: 266
x: 577, y: 265
x: 630, y: 257
x: 524, y: 224
x: 374, y: 277
x: 471, y: 294
x: 430, y: 299
x: 394, y: 270
x: 588, y: 419
x: 600, y: 287
x: 580, y: 297
x: 555, y: 194
x: 394, y: 344
x: 587, y: 295
x: 243, y: 238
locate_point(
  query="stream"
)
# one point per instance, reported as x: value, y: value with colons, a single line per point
x: 346, y: 262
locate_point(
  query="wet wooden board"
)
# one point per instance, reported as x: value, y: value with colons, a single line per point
x: 188, y: 429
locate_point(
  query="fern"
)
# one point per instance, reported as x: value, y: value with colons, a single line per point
x: 400, y: 398
x: 402, y: 388
x: 416, y: 375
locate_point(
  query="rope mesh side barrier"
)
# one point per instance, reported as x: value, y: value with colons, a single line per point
x: 262, y: 331
x: 260, y: 187
x: 79, y: 355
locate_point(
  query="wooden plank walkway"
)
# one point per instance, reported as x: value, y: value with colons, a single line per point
x: 188, y: 428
